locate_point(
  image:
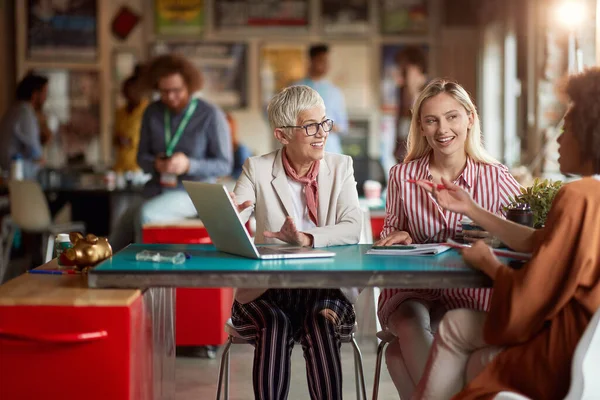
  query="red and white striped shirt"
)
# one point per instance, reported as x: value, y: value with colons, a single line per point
x: 410, y: 208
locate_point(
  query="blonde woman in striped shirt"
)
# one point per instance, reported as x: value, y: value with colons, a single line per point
x: 444, y: 142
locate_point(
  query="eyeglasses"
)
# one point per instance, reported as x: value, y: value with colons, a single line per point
x: 313, y: 129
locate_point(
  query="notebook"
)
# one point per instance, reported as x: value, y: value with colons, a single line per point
x: 430, y: 249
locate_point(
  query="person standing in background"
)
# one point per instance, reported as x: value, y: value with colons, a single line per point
x: 20, y: 129
x: 412, y: 66
x: 331, y: 94
x: 128, y: 122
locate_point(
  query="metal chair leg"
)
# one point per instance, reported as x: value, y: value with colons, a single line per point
x: 361, y: 391
x: 380, y: 348
x: 357, y: 378
x: 224, y: 367
x: 226, y: 383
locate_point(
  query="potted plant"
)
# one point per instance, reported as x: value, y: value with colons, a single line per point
x: 539, y: 197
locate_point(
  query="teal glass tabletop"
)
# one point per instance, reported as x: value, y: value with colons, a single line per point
x: 203, y: 258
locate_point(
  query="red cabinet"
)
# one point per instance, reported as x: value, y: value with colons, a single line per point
x: 61, y: 340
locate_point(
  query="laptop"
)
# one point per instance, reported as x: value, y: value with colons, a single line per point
x: 227, y: 232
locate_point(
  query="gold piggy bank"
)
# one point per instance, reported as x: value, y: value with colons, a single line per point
x: 87, y: 251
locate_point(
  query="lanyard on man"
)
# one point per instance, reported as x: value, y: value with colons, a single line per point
x: 171, y: 142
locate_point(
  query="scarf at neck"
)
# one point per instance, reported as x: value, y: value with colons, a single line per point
x: 311, y: 188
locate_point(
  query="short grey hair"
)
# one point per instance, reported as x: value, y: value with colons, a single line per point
x: 285, y: 106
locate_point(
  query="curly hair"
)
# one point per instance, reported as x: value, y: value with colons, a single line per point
x: 583, y: 117
x: 170, y: 64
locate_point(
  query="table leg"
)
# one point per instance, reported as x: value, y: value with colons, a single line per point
x: 160, y: 303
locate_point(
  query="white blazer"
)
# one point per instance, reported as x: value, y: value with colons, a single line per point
x: 265, y: 184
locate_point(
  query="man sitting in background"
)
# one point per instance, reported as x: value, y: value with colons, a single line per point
x: 19, y: 127
x: 181, y: 138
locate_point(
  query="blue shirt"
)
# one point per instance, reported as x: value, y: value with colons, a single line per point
x: 20, y: 134
x: 206, y: 141
x: 335, y: 107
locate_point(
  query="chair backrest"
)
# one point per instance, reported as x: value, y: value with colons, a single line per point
x: 584, y: 370
x: 28, y: 206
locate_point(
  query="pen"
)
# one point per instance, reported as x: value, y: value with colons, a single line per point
x: 499, y: 252
x: 53, y: 272
x: 395, y: 247
x: 439, y: 185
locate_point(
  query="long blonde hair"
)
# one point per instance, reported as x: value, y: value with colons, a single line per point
x: 417, y: 144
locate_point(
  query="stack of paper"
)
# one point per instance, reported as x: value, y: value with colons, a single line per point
x: 431, y: 249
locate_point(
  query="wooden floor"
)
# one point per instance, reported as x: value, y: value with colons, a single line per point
x: 197, y: 378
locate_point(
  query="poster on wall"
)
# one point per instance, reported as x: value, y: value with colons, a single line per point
x: 62, y: 29
x: 179, y: 17
x: 74, y: 104
x: 355, y: 82
x: 280, y: 66
x: 223, y: 66
x: 391, y: 76
x: 345, y: 16
x: 260, y: 13
x: 404, y: 16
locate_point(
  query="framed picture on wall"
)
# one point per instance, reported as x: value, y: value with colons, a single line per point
x: 179, y: 18
x: 223, y: 66
x: 403, y: 16
x: 63, y: 30
x: 391, y: 75
x: 124, y: 61
x: 345, y: 16
x: 280, y: 66
x: 233, y: 14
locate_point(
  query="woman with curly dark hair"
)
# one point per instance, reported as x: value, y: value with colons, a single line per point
x: 539, y: 312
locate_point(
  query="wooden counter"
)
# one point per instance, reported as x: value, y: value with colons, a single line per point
x: 61, y: 290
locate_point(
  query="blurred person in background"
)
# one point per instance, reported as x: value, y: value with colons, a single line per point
x: 128, y: 122
x: 412, y: 66
x: 331, y: 94
x: 182, y: 138
x: 20, y: 129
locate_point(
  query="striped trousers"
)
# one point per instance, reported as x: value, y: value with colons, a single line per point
x: 317, y: 318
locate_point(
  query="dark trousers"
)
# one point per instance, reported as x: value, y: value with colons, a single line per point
x: 317, y: 318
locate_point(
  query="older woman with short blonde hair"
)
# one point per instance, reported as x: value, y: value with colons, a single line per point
x: 303, y: 196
